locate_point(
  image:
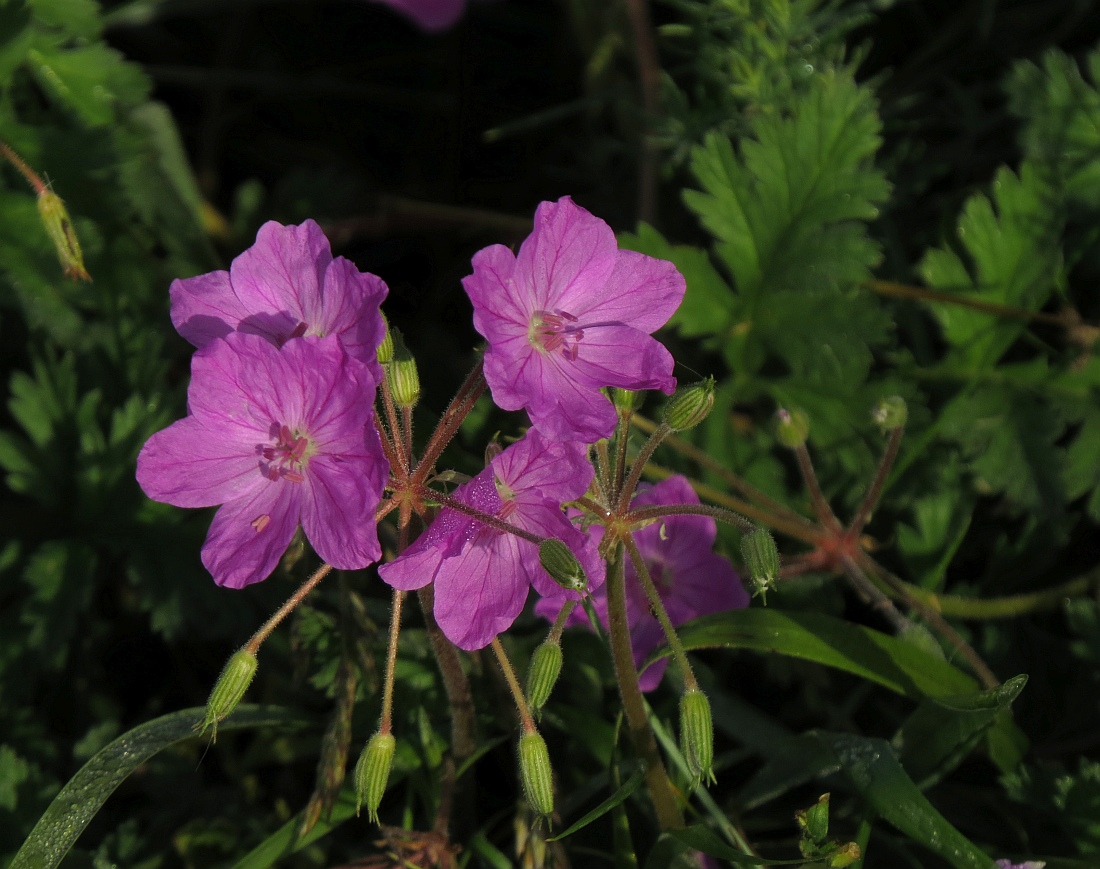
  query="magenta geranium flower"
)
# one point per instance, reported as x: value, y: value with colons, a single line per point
x: 482, y: 575
x: 569, y: 315
x: 278, y: 438
x: 284, y: 286
x: 691, y: 579
x: 431, y: 15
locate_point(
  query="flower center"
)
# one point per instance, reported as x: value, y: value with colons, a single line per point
x: 288, y: 457
x: 559, y: 330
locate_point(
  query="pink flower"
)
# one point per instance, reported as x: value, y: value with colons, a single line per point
x: 1030, y: 864
x: 431, y: 15
x: 691, y: 579
x: 482, y: 574
x: 569, y: 315
x: 278, y: 438
x: 286, y: 285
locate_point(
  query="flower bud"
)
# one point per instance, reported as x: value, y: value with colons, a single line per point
x: 845, y: 855
x: 626, y: 400
x: 690, y: 405
x: 543, y: 674
x: 558, y: 560
x: 762, y: 559
x: 372, y: 772
x: 385, y: 349
x: 814, y: 821
x: 697, y: 734
x: 535, y: 772
x: 234, y: 680
x: 55, y: 218
x: 890, y: 413
x: 792, y: 427
x: 401, y: 375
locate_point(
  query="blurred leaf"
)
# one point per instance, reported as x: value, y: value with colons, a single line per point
x: 285, y: 840
x: 881, y: 781
x: 1011, y: 440
x: 890, y: 662
x: 82, y: 797
x: 940, y: 734
x: 90, y: 80
x: 626, y: 790
x: 1063, y: 801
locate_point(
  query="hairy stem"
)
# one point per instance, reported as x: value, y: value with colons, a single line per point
x: 391, y: 662
x: 452, y: 418
x: 660, y: 788
x: 658, y: 511
x: 820, y: 504
x: 525, y: 718
x: 657, y: 607
x: 627, y: 492
x: 287, y: 608
x: 874, y: 492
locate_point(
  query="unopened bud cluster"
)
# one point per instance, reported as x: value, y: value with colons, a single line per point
x: 234, y: 680
x: 558, y: 560
x: 535, y: 773
x: 543, y: 674
x: 697, y: 735
x: 402, y: 376
x: 891, y: 413
x: 762, y: 559
x: 792, y: 427
x: 690, y: 405
x: 372, y: 772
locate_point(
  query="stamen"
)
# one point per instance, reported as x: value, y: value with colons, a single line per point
x: 260, y: 522
x: 287, y: 457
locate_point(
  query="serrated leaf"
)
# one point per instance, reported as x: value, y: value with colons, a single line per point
x: 1060, y: 114
x: 1011, y: 245
x: 1010, y: 438
x: 75, y: 17
x: 85, y: 793
x: 90, y: 80
x: 881, y: 781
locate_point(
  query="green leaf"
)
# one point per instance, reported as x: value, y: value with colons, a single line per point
x: 628, y: 788
x: 1010, y: 437
x: 1012, y: 245
x: 881, y: 781
x: 286, y: 841
x: 890, y: 662
x: 90, y: 80
x: 82, y: 797
x: 1060, y: 114
x: 940, y: 734
x: 14, y: 770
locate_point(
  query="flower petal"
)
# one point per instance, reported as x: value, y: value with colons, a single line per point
x: 624, y: 357
x: 205, y: 307
x: 479, y: 593
x: 249, y: 535
x: 348, y: 307
x: 190, y: 464
x: 569, y: 253
x: 338, y: 502
x: 642, y: 292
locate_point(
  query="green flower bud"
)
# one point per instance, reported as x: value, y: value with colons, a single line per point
x: 844, y: 855
x: 55, y: 218
x: 697, y: 734
x: 814, y: 821
x: 535, y: 773
x: 626, y: 400
x: 401, y: 375
x: 792, y: 427
x: 762, y: 559
x: 372, y: 772
x: 558, y: 560
x: 690, y: 405
x: 234, y: 680
x: 543, y: 674
x: 385, y: 349
x: 890, y: 413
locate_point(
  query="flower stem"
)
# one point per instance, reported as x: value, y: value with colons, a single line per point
x: 525, y: 717
x: 463, y: 715
x: 391, y: 662
x: 704, y: 460
x: 658, y: 511
x: 874, y: 492
x: 821, y: 506
x: 451, y: 421
x: 26, y: 171
x: 401, y: 458
x: 657, y: 607
x: 627, y: 492
x: 287, y: 608
x: 559, y: 623
x: 660, y: 788
x: 1006, y: 607
x: 480, y: 515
